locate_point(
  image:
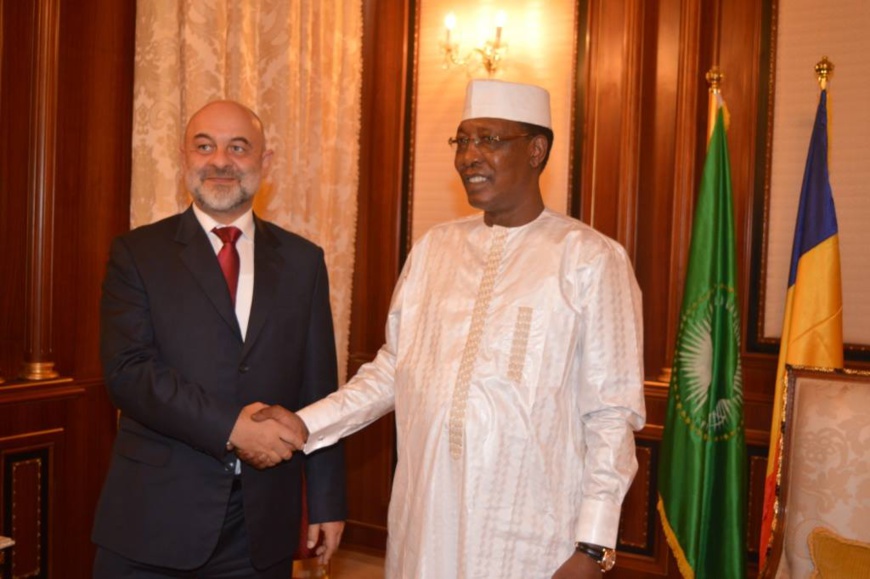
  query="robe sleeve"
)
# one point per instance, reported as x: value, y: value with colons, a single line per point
x: 610, y: 393
x: 369, y: 395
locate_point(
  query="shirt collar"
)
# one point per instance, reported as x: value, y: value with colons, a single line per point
x: 245, y: 222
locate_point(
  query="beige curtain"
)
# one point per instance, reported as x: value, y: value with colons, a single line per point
x: 298, y: 64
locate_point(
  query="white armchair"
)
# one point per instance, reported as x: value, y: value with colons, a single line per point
x: 822, y: 526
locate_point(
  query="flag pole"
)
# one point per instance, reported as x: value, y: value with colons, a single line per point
x: 794, y: 340
x: 702, y: 460
x: 825, y: 70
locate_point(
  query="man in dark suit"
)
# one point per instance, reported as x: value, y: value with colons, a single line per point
x: 201, y: 328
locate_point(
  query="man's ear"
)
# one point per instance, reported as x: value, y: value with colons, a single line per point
x: 537, y: 150
x: 267, y: 159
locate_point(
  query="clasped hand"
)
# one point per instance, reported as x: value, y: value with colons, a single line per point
x: 263, y: 436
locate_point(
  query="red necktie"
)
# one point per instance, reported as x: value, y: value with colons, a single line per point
x: 228, y: 257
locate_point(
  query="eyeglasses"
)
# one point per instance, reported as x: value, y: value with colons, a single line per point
x: 485, y: 143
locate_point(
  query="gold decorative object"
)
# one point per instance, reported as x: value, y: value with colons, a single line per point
x: 714, y: 78
x: 488, y: 55
x: 824, y: 71
x: 39, y: 371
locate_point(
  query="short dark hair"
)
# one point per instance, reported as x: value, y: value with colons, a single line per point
x: 534, y: 131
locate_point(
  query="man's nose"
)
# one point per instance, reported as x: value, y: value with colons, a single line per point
x: 468, y: 155
x: 220, y: 158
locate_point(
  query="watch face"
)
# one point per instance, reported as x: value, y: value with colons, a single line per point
x: 608, y: 559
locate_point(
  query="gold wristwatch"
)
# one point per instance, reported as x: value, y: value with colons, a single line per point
x: 606, y: 558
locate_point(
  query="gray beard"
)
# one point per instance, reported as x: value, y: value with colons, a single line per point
x: 222, y: 202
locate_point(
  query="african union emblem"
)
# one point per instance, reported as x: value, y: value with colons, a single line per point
x: 707, y: 374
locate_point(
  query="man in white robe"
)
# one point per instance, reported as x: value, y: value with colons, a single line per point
x: 513, y: 361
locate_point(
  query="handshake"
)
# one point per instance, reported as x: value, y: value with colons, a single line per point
x: 263, y: 436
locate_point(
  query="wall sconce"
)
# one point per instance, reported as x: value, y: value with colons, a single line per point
x: 490, y: 53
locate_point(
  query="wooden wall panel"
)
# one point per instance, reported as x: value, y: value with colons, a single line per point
x: 95, y: 118
x: 28, y: 492
x: 89, y: 175
x: 641, y: 147
x: 612, y: 112
x: 636, y: 531
x: 38, y: 360
x: 55, y: 443
x: 658, y: 209
x: 644, y: 140
x: 18, y: 23
x: 387, y: 29
x: 56, y: 435
x: 681, y: 40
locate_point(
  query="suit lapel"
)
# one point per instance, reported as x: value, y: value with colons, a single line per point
x: 199, y: 257
x: 268, y: 263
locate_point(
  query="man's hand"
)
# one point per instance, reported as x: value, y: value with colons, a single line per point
x: 262, y: 444
x: 288, y: 419
x: 578, y: 566
x: 331, y: 539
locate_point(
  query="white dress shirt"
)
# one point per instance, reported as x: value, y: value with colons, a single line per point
x: 245, y: 247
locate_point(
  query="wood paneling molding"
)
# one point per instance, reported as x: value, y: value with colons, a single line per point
x: 25, y: 463
x: 38, y: 364
x: 66, y: 89
x: 54, y: 451
x: 387, y: 41
x: 629, y: 149
x: 16, y: 83
x: 689, y: 79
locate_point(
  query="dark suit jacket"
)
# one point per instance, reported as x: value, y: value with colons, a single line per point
x: 177, y: 368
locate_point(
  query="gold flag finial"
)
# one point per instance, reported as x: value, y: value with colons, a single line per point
x: 824, y: 71
x: 714, y: 78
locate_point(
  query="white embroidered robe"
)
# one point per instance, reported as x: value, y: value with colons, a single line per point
x: 513, y: 360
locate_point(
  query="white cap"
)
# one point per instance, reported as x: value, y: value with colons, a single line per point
x: 513, y: 101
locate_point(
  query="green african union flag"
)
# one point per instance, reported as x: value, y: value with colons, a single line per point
x: 702, y: 468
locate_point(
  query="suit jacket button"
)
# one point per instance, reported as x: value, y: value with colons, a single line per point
x: 243, y: 368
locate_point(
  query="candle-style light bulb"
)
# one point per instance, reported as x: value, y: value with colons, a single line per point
x: 500, y: 19
x: 450, y: 21
x: 449, y: 24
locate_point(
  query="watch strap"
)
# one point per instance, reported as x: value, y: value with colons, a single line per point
x: 593, y: 551
x: 606, y: 558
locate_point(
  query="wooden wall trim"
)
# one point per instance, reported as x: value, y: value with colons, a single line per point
x: 387, y: 29
x: 26, y: 463
x: 629, y: 146
x: 38, y: 364
x: 755, y: 341
x: 612, y: 115
x: 66, y: 91
x: 63, y: 430
x: 685, y: 170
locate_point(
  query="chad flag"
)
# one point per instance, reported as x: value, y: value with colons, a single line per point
x: 812, y: 327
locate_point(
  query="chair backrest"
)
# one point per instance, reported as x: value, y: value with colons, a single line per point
x: 824, y: 474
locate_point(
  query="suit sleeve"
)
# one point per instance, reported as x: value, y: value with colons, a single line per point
x: 140, y: 384
x: 324, y: 470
